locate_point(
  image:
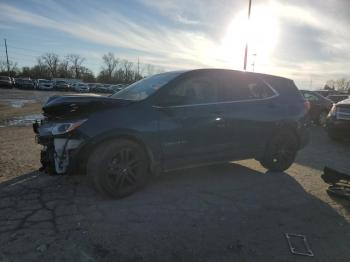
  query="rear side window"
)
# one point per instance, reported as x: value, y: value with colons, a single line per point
x: 240, y: 87
x: 197, y: 89
x: 310, y: 97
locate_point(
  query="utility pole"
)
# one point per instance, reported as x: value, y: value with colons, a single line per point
x: 246, y: 45
x: 138, y: 66
x: 7, y: 58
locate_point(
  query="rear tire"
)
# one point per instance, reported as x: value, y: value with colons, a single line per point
x: 280, y: 152
x: 118, y: 168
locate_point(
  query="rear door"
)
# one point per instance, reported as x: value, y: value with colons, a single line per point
x: 250, y: 106
x: 191, y: 131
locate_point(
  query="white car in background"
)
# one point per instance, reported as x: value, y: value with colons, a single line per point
x: 44, y: 84
x: 81, y: 87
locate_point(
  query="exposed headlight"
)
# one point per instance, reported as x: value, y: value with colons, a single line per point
x: 62, y: 128
x: 333, y: 111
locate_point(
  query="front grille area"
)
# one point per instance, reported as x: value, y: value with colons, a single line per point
x: 343, y: 113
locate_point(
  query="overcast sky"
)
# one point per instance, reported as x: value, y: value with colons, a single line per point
x: 308, y: 41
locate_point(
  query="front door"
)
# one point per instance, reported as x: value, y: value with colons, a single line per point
x: 191, y: 131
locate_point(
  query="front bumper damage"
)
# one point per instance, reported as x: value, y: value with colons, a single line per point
x: 58, y: 151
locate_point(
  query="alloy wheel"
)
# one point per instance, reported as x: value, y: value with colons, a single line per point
x: 123, y: 169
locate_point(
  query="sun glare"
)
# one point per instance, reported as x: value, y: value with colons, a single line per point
x: 261, y: 33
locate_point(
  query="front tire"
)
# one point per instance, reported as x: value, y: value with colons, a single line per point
x: 280, y: 152
x: 118, y: 168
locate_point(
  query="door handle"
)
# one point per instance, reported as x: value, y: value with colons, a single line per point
x: 217, y: 112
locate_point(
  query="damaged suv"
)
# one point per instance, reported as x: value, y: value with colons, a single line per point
x: 173, y: 120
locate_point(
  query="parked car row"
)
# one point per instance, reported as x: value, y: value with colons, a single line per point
x: 6, y: 82
x: 332, y: 112
x: 62, y: 85
x: 334, y: 95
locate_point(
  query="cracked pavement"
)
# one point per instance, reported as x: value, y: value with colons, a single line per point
x: 228, y: 212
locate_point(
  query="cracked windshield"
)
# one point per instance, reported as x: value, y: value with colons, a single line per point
x: 198, y: 130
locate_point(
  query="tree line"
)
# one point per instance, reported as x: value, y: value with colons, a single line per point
x: 50, y: 65
x: 341, y: 84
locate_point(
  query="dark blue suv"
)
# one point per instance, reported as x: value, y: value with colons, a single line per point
x: 173, y: 120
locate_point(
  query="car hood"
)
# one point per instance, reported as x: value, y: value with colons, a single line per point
x: 71, y: 106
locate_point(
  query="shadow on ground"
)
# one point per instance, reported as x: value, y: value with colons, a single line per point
x: 323, y: 151
x: 218, y: 213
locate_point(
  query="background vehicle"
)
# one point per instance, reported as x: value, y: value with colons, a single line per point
x: 44, y: 84
x: 6, y: 82
x: 170, y: 121
x: 25, y: 83
x: 319, y: 106
x: 81, y: 87
x: 326, y: 93
x: 61, y: 85
x: 337, y: 98
x: 338, y: 121
x: 100, y: 88
x: 116, y: 88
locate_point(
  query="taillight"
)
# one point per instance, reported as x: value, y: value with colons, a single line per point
x: 333, y: 111
x: 307, y: 106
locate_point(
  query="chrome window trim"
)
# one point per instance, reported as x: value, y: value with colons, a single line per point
x: 276, y: 94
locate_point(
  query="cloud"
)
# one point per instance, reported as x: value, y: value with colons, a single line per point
x: 315, y: 43
x: 116, y: 30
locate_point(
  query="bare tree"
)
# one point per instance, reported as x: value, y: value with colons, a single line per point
x: 113, y: 70
x: 51, y: 60
x: 87, y: 75
x: 13, y: 67
x: 110, y: 65
x: 127, y: 68
x: 341, y: 84
x: 64, y: 70
x: 76, y: 62
x: 150, y: 70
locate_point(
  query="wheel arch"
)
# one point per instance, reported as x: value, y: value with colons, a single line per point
x: 285, y: 126
x: 84, y: 151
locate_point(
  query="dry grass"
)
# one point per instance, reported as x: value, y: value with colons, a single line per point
x: 20, y: 154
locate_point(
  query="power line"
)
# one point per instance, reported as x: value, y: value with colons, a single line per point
x: 16, y: 53
x: 27, y: 49
x: 16, y: 59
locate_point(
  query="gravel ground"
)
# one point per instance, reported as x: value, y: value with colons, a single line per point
x: 19, y: 152
x: 229, y: 212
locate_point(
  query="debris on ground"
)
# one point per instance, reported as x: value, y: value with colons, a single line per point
x: 298, y: 245
x: 339, y: 183
x: 42, y: 248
